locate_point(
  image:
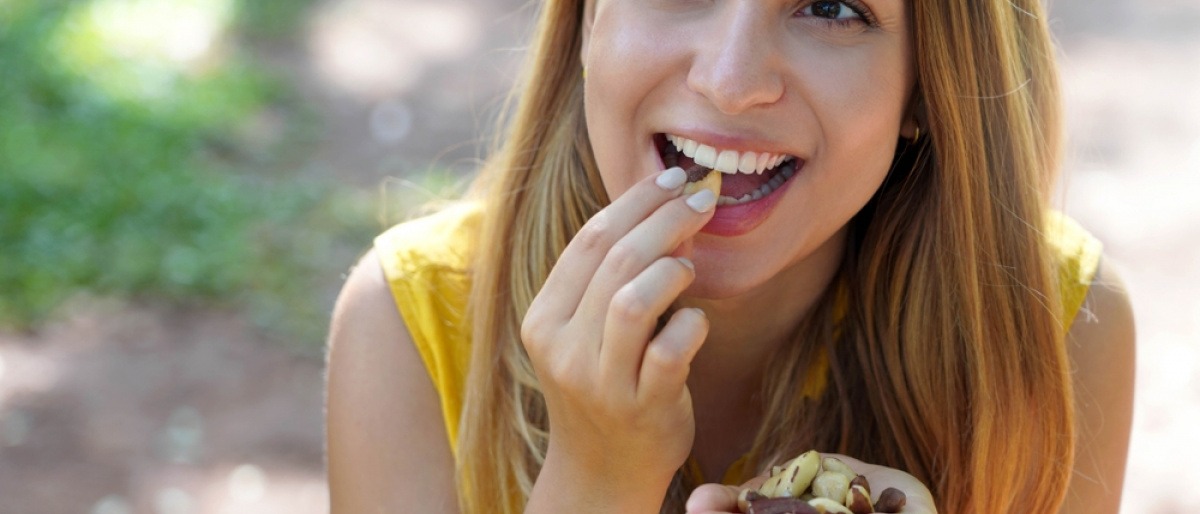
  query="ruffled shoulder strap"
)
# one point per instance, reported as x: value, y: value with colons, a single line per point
x: 1077, y: 254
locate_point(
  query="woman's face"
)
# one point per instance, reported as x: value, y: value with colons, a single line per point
x: 821, y: 85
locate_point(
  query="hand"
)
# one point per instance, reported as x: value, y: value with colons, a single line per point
x: 722, y: 499
x: 620, y: 413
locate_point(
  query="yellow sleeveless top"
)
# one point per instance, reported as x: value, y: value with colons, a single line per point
x: 426, y: 262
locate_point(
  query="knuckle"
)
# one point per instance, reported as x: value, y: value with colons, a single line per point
x: 570, y: 380
x: 557, y: 371
x: 531, y: 330
x: 561, y: 373
x: 594, y: 234
x: 628, y: 304
x: 624, y: 259
x: 658, y: 356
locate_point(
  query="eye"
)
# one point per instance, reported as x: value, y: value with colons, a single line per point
x: 832, y: 10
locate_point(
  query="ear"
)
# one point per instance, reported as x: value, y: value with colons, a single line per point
x: 914, y: 116
x: 589, y: 15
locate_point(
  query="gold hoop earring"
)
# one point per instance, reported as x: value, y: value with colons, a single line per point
x: 585, y: 73
x: 917, y: 134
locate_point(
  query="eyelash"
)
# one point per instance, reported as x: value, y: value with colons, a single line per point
x: 864, y: 14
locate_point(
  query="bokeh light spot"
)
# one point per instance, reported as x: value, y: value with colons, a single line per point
x: 391, y: 121
x: 173, y: 501
x: 183, y: 436
x: 112, y: 504
x: 140, y: 49
x: 247, y: 483
x: 374, y: 49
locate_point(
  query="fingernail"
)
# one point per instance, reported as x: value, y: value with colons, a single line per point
x: 702, y: 201
x: 687, y: 263
x: 671, y: 179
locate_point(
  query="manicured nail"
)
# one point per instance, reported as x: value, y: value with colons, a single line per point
x: 702, y: 201
x: 687, y: 263
x: 671, y: 179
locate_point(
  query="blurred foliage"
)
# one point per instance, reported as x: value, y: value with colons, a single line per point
x: 163, y: 175
x: 261, y: 19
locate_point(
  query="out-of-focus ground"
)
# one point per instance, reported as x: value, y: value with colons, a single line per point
x: 1131, y: 73
x: 117, y: 408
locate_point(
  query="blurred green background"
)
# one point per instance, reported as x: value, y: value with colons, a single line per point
x: 184, y: 184
x: 144, y: 154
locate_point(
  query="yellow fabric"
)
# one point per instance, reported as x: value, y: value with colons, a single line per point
x: 1079, y: 259
x: 426, y: 263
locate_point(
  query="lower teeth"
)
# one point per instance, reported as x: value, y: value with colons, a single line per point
x: 785, y: 173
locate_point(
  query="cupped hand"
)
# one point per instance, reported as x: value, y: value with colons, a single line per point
x: 619, y: 410
x: 718, y: 498
x: 722, y: 499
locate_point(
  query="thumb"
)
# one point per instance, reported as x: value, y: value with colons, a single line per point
x: 713, y: 498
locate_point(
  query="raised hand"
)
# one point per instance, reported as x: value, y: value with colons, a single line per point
x: 621, y: 420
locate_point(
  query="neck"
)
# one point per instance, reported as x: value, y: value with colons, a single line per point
x: 745, y: 332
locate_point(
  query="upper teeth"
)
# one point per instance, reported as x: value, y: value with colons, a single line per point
x: 727, y: 161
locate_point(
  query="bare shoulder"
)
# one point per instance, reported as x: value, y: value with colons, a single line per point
x: 1102, y: 348
x: 386, y: 446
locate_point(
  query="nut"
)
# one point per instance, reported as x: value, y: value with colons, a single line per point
x: 832, y: 485
x: 747, y: 496
x: 858, y: 500
x: 770, y: 486
x: 810, y: 484
x: 780, y: 506
x: 825, y: 505
x: 890, y: 501
x: 799, y: 473
x: 861, y: 480
x: 833, y: 464
x: 711, y: 181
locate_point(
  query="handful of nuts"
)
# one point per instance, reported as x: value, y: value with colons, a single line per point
x: 810, y: 484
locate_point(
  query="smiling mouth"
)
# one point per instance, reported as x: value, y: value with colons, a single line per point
x: 746, y: 176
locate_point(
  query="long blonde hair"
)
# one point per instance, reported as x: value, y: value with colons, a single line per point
x: 946, y: 351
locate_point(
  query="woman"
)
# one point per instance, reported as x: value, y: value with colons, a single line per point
x: 879, y: 277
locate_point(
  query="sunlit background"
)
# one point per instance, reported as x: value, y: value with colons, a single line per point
x: 183, y: 184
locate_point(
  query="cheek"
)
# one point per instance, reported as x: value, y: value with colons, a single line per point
x: 630, y: 44
x: 629, y: 57
x: 608, y: 144
x: 858, y: 101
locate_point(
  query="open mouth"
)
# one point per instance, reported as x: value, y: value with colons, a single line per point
x: 747, y: 176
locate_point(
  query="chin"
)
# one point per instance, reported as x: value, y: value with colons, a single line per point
x: 718, y: 285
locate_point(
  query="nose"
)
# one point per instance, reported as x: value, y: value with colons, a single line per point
x: 737, y: 67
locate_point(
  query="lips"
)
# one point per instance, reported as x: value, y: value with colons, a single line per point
x: 747, y: 176
x: 746, y: 198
